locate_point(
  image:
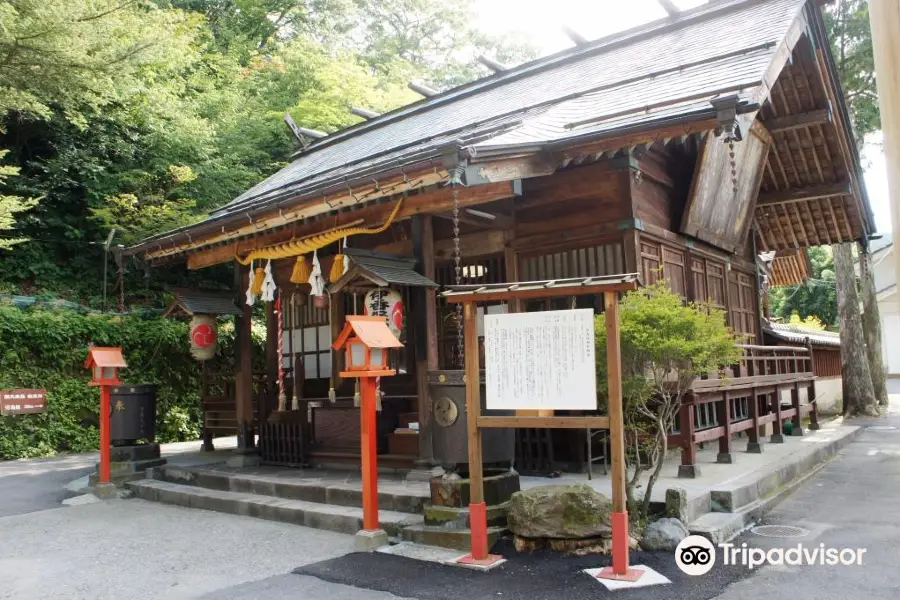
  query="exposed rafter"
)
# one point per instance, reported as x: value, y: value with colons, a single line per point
x: 814, y: 192
x: 798, y: 121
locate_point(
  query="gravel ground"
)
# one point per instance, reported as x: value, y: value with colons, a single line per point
x: 136, y: 549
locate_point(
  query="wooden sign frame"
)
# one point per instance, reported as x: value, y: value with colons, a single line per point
x: 609, y: 287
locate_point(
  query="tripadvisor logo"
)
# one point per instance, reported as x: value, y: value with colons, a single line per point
x: 696, y: 555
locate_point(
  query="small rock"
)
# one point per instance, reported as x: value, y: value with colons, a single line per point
x: 664, y: 534
x: 82, y: 499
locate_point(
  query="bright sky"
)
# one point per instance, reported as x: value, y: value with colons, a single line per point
x: 541, y: 22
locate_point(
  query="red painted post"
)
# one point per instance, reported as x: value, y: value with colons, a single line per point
x: 478, y: 527
x: 104, y: 434
x: 619, y: 522
x: 369, y: 442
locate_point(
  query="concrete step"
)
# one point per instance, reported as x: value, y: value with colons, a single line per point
x: 458, y: 539
x: 342, y: 519
x: 720, y: 527
x: 748, y: 491
x: 392, y: 496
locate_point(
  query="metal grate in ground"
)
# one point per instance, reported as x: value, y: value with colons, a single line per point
x: 779, y: 531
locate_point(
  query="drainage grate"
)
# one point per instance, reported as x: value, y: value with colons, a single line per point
x: 780, y: 531
x: 882, y: 428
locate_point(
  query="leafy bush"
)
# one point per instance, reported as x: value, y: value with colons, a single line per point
x: 47, y: 348
x: 665, y: 345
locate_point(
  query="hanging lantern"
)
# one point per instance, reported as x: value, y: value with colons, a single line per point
x: 388, y: 303
x: 204, y: 336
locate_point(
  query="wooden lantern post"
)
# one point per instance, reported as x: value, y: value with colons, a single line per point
x: 608, y: 287
x: 104, y: 364
x: 366, y: 341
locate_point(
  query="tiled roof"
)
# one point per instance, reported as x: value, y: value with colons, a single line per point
x: 644, y: 77
x: 799, y: 335
x: 194, y: 302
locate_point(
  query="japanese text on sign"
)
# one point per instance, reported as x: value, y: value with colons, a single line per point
x: 19, y: 402
x: 540, y: 360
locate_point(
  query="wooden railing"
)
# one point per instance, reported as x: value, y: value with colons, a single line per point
x: 747, y: 397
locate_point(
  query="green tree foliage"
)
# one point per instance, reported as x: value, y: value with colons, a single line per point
x: 9, y: 206
x: 666, y: 344
x: 46, y: 349
x: 848, y: 27
x: 147, y: 115
x: 814, y: 298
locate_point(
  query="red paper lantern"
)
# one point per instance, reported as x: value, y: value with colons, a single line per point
x: 204, y: 337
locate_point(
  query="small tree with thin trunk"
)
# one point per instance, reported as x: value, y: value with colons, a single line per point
x: 859, y: 397
x: 871, y: 322
x: 665, y: 345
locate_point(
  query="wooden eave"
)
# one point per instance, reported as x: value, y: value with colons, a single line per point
x: 811, y: 193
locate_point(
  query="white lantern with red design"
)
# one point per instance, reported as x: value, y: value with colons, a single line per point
x: 204, y: 337
x: 388, y: 303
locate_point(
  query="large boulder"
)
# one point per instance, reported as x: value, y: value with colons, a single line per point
x: 664, y: 534
x: 560, y: 512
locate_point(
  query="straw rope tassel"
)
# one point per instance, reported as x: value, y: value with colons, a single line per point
x: 302, y: 270
x: 259, y: 277
x: 337, y: 267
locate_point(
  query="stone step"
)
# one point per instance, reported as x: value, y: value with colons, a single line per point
x: 392, y: 496
x: 342, y: 519
x: 458, y: 539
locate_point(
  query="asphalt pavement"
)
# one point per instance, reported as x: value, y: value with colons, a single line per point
x: 39, y: 484
x: 132, y: 548
x: 854, y: 503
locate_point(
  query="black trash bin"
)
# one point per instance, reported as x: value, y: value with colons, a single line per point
x: 133, y: 414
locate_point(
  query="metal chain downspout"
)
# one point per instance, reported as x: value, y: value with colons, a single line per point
x: 457, y: 265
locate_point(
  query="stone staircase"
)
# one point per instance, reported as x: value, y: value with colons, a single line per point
x: 319, y: 503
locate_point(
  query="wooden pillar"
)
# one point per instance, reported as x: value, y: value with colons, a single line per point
x: 511, y: 260
x: 631, y: 245
x: 797, y: 424
x: 477, y: 509
x: 243, y: 384
x: 777, y: 437
x: 753, y: 445
x: 688, y: 468
x: 885, y: 18
x: 424, y: 321
x: 271, y: 361
x: 619, y: 515
x: 336, y: 319
x: 723, y: 416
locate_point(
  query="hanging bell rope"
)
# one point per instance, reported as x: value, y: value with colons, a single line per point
x: 320, y: 240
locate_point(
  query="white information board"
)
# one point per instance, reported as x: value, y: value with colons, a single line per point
x: 540, y: 360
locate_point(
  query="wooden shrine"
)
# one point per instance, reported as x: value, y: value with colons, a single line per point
x: 654, y: 152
